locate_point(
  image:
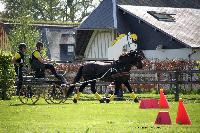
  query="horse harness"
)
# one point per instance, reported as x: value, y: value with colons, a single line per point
x: 114, y: 74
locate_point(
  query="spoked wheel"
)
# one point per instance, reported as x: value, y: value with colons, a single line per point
x: 29, y: 95
x: 54, y: 95
x: 65, y: 97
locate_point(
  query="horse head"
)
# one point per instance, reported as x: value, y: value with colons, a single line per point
x: 133, y: 58
x: 139, y: 56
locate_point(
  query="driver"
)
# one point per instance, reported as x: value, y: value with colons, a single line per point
x: 39, y: 64
x: 18, y: 61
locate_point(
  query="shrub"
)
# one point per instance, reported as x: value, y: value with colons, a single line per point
x: 7, y: 74
x: 198, y: 68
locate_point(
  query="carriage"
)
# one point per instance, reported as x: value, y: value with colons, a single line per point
x: 34, y: 87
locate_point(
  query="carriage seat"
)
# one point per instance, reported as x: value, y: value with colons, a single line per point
x: 39, y: 73
x: 38, y: 70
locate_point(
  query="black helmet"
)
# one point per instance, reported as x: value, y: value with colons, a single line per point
x: 21, y: 46
x: 39, y: 44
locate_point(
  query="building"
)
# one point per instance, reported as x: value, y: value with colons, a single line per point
x: 4, y: 43
x: 166, y: 29
x: 59, y: 39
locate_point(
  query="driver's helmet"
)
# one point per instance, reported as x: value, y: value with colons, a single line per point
x: 21, y: 46
x: 39, y: 44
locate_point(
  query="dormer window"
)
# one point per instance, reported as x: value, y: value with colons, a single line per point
x: 162, y: 16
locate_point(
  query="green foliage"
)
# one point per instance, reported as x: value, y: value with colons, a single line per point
x: 6, y: 74
x: 16, y: 8
x: 75, y: 10
x: 53, y: 10
x: 198, y: 67
x: 45, y: 9
x: 23, y: 32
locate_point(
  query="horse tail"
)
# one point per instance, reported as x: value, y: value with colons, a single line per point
x: 78, y: 75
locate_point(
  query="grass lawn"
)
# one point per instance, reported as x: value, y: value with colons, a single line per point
x: 91, y: 116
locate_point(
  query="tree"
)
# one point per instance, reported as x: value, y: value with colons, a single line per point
x: 49, y: 10
x: 23, y: 32
x: 16, y: 8
x: 45, y: 9
x: 75, y: 10
x: 37, y: 9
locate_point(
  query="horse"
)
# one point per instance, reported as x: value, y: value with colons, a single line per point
x: 117, y: 72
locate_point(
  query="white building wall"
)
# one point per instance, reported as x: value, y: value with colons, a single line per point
x: 54, y: 41
x: 97, y: 48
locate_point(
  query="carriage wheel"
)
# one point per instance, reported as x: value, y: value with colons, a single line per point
x: 65, y: 90
x: 54, y: 95
x: 29, y: 95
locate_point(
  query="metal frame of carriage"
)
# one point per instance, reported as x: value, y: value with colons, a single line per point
x: 33, y: 88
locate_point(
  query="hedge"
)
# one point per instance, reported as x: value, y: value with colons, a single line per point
x: 7, y: 74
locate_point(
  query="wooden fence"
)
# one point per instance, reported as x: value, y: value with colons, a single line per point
x: 4, y: 42
x: 160, y: 77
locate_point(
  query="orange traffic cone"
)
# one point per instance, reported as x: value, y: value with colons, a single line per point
x: 182, y: 116
x: 163, y: 117
x: 163, y: 101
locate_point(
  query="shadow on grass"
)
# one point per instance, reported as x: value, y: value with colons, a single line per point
x: 38, y: 104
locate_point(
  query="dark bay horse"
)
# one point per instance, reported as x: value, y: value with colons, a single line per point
x: 117, y: 72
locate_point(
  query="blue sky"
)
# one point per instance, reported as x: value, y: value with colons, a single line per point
x: 1, y: 7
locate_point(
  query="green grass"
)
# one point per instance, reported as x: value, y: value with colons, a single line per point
x: 91, y: 116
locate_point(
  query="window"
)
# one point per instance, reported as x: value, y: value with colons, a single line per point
x: 70, y: 48
x: 162, y: 16
x: 67, y: 52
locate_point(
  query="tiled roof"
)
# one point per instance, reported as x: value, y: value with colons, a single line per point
x: 186, y: 27
x: 101, y: 17
x: 162, y: 3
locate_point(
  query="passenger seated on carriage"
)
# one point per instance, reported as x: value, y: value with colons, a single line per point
x: 18, y: 61
x: 39, y: 64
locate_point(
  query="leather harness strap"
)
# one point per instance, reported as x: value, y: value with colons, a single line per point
x: 120, y: 74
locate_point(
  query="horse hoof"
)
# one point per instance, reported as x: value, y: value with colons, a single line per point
x: 107, y: 100
x: 101, y: 101
x: 136, y: 100
x: 75, y: 100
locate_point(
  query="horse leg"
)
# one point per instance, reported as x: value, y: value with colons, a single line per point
x: 118, y: 86
x: 76, y: 79
x: 77, y: 96
x: 70, y: 91
x: 94, y: 91
x: 132, y: 95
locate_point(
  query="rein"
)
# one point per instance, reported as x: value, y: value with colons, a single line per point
x: 97, y: 79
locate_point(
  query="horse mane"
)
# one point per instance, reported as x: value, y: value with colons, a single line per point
x: 127, y: 60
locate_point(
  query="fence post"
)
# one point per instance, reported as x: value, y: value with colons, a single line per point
x: 176, y: 86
